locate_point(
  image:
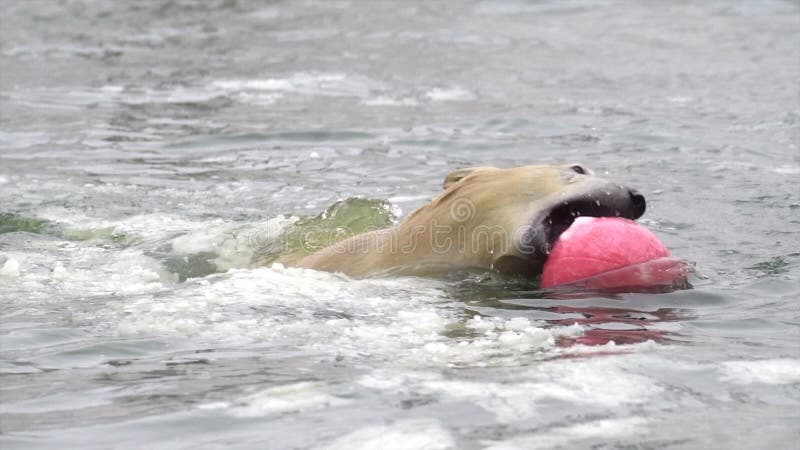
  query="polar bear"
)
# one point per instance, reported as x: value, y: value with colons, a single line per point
x: 504, y: 219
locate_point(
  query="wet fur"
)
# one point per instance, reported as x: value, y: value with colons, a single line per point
x: 503, y: 201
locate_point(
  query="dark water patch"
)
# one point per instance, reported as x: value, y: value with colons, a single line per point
x: 776, y: 266
x: 10, y: 223
x: 196, y: 265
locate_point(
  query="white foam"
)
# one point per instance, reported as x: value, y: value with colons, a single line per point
x: 233, y: 248
x: 509, y: 402
x: 449, y: 94
x: 269, y: 84
x: 265, y: 14
x: 287, y: 398
x: 787, y: 169
x: 680, y: 99
x: 333, y: 314
x: 258, y: 98
x: 594, y: 382
x: 397, y: 381
x: 10, y: 267
x: 259, y: 91
x: 61, y: 270
x: 233, y: 243
x: 387, y: 100
x: 412, y: 434
x: 562, y: 436
x: 144, y: 227
x: 767, y: 371
x: 500, y: 340
x: 600, y: 382
x: 209, y: 308
x: 308, y: 83
x: 177, y: 94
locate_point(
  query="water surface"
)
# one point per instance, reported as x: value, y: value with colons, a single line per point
x: 145, y: 148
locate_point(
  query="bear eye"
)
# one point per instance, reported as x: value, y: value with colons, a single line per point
x: 577, y: 168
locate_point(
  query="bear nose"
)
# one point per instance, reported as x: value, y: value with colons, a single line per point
x: 638, y: 202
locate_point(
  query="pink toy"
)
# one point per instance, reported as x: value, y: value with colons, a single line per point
x: 610, y: 253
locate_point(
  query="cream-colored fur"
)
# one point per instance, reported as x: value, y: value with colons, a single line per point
x: 477, y: 221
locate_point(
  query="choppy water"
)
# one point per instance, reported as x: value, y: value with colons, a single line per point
x: 144, y: 144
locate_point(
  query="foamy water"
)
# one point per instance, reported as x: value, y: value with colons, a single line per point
x: 151, y: 169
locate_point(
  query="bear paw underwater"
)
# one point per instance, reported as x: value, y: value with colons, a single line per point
x: 485, y: 217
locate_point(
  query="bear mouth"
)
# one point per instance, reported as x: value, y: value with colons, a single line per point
x: 546, y: 227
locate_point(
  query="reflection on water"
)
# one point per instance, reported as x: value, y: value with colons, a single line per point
x: 623, y: 318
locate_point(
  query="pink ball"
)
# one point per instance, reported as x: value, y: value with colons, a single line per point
x: 596, y: 245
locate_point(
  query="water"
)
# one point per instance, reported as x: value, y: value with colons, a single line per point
x: 146, y: 145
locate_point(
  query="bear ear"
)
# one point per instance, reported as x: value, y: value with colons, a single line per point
x: 458, y: 174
